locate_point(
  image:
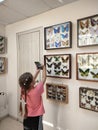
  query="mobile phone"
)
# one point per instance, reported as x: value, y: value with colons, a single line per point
x: 38, y: 65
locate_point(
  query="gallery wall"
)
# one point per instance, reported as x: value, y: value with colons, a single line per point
x: 3, y: 85
x: 58, y: 116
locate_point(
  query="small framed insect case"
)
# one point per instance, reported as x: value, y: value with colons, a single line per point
x: 57, y: 92
x: 2, y: 65
x: 88, y: 98
x: 2, y: 45
x: 58, y: 36
x: 87, y: 31
x: 87, y: 66
x: 58, y: 66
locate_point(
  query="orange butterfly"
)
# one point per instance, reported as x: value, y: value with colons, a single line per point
x: 84, y: 25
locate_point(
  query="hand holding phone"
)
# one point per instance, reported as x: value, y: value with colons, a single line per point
x: 38, y: 65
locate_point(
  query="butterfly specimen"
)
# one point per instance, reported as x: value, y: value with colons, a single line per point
x: 50, y: 31
x: 93, y: 31
x: 56, y: 58
x: 65, y: 28
x: 64, y: 66
x: 65, y: 43
x: 95, y: 58
x: 49, y: 59
x: 65, y: 72
x: 95, y: 75
x: 49, y: 71
x: 83, y: 33
x: 1, y: 39
x: 49, y: 65
x: 90, y: 98
x: 96, y: 103
x: 57, y: 72
x: 94, y: 66
x: 96, y: 98
x: 94, y: 22
x: 83, y: 104
x: 57, y: 30
x: 84, y: 25
x: 84, y: 73
x: 65, y: 60
x: 64, y: 35
x: 1, y: 49
x: 57, y: 44
x: 57, y: 65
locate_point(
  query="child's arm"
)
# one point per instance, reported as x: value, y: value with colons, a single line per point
x: 44, y: 74
x: 36, y: 74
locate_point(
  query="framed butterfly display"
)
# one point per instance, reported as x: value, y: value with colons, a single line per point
x: 2, y: 44
x: 58, y: 66
x: 87, y: 66
x: 57, y: 92
x: 58, y: 36
x: 87, y: 31
x: 88, y: 98
x: 2, y: 65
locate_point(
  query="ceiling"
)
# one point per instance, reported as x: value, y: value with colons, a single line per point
x: 12, y: 11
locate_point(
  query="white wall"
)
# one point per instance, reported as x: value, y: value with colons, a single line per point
x: 62, y: 117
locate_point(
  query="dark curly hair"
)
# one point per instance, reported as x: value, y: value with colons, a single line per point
x: 25, y: 80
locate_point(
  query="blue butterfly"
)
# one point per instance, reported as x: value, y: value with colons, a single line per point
x: 66, y: 28
x: 64, y: 36
x: 56, y: 30
x: 57, y: 44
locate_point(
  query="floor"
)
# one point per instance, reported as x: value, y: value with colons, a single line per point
x: 10, y: 124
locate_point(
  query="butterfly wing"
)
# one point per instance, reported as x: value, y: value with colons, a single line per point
x: 49, y: 65
x: 1, y: 39
x: 57, y: 65
x: 94, y: 22
x: 57, y: 44
x: 64, y: 35
x: 65, y: 72
x: 65, y: 28
x: 84, y: 73
x: 57, y: 72
x: 94, y: 75
x: 49, y: 59
x: 56, y: 58
x: 64, y: 60
x: 56, y: 30
x: 49, y: 71
x: 84, y: 25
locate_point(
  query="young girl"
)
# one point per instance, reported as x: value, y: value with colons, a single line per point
x: 32, y: 96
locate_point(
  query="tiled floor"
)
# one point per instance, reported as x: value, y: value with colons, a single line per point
x: 10, y: 124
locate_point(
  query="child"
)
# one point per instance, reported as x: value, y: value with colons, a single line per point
x: 32, y: 95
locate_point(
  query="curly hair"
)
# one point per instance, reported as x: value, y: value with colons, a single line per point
x: 25, y: 81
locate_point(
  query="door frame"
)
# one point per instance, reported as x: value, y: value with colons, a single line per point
x: 40, y: 29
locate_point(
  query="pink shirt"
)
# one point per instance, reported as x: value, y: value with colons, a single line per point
x: 34, y: 101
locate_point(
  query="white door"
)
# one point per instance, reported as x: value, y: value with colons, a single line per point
x: 29, y: 51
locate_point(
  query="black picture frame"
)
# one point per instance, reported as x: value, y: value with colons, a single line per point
x: 87, y: 31
x: 58, y: 65
x: 2, y: 65
x: 58, y: 36
x: 3, y: 44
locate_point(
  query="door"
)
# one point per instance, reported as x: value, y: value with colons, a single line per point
x: 29, y: 51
